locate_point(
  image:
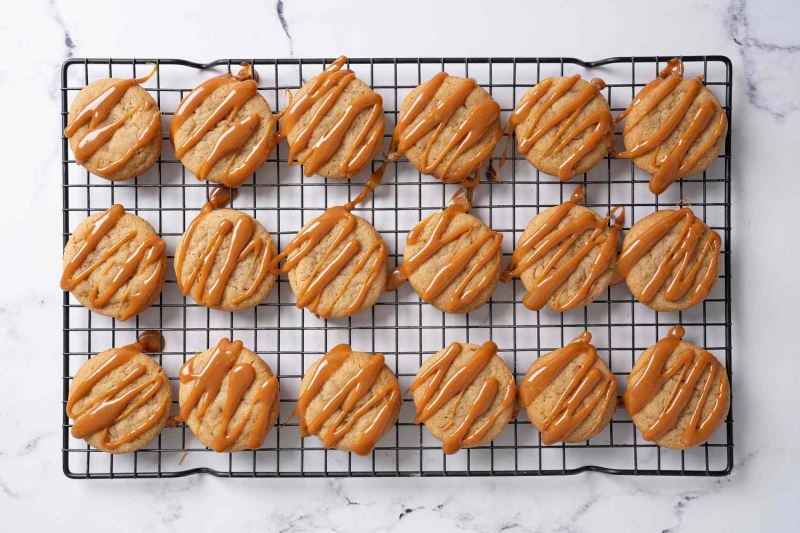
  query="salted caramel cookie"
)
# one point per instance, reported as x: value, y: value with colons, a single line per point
x: 120, y: 399
x: 565, y: 256
x: 453, y: 261
x: 224, y: 130
x: 464, y: 395
x: 678, y: 394
x: 348, y: 399
x: 448, y: 127
x: 675, y: 127
x: 570, y: 394
x: 115, y: 264
x: 229, y: 397
x: 334, y: 124
x: 564, y: 125
x: 114, y: 128
x: 670, y: 260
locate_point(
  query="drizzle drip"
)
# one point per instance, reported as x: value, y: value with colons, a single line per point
x: 578, y: 400
x: 689, y: 367
x: 674, y: 164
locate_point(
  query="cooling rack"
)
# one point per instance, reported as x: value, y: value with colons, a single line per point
x: 400, y: 326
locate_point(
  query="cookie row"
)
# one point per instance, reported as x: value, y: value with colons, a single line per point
x: 448, y: 127
x: 678, y: 395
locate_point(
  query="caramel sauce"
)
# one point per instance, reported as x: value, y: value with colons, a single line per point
x: 551, y: 237
x: 586, y: 389
x: 689, y: 367
x: 674, y: 164
x: 346, y: 399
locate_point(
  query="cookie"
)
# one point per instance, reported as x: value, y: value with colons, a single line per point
x: 223, y: 260
x: 565, y: 256
x: 114, y: 128
x: 570, y: 394
x: 452, y: 260
x: 670, y: 260
x: 448, y: 127
x: 464, y: 395
x: 336, y: 264
x: 678, y: 394
x: 334, y: 124
x: 348, y: 399
x: 224, y: 130
x: 115, y: 264
x: 120, y: 399
x: 229, y: 397
x: 675, y: 127
x: 564, y: 125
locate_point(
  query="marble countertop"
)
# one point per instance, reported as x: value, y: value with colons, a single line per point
x: 760, y: 38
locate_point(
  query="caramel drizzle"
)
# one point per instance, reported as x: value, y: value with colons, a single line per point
x: 550, y: 237
x: 97, y: 111
x: 454, y: 387
x: 241, y: 377
x: 112, y: 407
x: 577, y: 401
x: 235, y: 133
x: 600, y: 122
x: 356, y: 388
x: 673, y: 165
x: 679, y: 255
x: 243, y: 244
x: 149, y: 251
x: 689, y: 367
x: 326, y: 88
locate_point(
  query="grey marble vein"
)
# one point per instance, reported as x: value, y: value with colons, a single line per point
x: 55, y: 14
x: 285, y: 26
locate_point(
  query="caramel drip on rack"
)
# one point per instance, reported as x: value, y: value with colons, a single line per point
x: 689, y: 367
x: 148, y: 252
x: 599, y: 122
x: 113, y: 406
x: 97, y: 111
x: 552, y: 237
x: 345, y: 400
x: 688, y: 277
x: 241, y: 377
x: 577, y: 401
x: 235, y: 133
x: 438, y: 392
x: 243, y: 244
x: 674, y: 165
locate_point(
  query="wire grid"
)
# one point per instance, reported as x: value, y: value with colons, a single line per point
x: 400, y: 326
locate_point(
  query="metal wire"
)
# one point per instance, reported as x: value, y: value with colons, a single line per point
x: 402, y: 327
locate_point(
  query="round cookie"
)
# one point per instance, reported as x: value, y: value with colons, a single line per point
x: 115, y: 264
x: 330, y: 406
x: 100, y: 380
x: 469, y: 413
x: 229, y: 380
x: 124, y: 144
x: 248, y: 283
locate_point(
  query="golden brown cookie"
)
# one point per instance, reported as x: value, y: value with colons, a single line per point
x: 229, y: 397
x: 224, y: 130
x: 334, y: 124
x: 570, y: 394
x: 348, y: 399
x: 675, y: 127
x: 464, y: 395
x: 448, y: 127
x: 115, y: 264
x: 120, y: 399
x: 678, y: 394
x: 564, y: 125
x: 670, y: 260
x: 223, y: 260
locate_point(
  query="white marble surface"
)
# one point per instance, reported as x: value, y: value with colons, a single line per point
x: 761, y: 39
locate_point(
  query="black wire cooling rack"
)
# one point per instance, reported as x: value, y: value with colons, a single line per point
x: 400, y: 326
